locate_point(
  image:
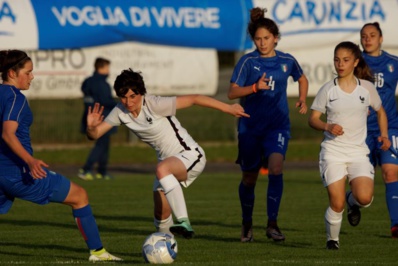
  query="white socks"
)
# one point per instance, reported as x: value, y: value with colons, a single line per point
x: 163, y: 226
x: 175, y: 196
x: 333, y: 224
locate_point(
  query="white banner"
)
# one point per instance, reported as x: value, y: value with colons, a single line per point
x: 166, y: 70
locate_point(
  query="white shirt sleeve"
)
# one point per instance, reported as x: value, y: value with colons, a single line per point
x: 113, y: 117
x: 164, y: 106
x: 374, y: 98
x: 321, y: 99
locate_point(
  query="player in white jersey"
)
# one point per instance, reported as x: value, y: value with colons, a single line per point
x: 344, y: 153
x: 152, y: 119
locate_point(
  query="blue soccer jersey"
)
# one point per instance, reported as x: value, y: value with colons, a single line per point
x: 14, y: 107
x: 385, y: 70
x: 268, y: 109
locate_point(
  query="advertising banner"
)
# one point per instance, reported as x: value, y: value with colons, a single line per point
x: 59, y: 24
x: 166, y: 70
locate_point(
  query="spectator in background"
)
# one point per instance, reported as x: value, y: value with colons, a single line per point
x: 97, y: 89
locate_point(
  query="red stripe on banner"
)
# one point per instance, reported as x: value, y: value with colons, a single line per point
x: 79, y: 225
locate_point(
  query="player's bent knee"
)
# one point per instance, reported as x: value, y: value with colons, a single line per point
x: 366, y: 202
x: 77, y: 196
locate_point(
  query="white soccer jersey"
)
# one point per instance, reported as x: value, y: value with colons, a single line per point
x: 349, y: 110
x: 156, y: 125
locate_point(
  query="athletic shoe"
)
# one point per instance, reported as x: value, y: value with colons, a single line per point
x: 102, y: 255
x: 88, y: 176
x: 247, y: 232
x: 394, y: 231
x: 183, y: 228
x: 353, y: 212
x: 105, y: 177
x: 331, y: 244
x: 273, y: 232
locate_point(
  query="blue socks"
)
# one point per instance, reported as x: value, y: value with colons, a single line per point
x: 274, y: 195
x: 88, y: 227
x: 246, y: 196
x: 392, y: 201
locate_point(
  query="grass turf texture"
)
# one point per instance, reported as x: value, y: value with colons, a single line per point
x: 37, y: 235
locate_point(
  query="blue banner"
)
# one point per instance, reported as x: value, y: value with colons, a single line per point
x: 82, y: 23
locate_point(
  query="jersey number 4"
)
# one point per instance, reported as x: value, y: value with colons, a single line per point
x: 271, y: 83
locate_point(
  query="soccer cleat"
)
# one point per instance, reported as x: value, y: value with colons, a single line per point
x: 331, y: 244
x: 353, y: 212
x: 273, y: 232
x: 247, y: 232
x: 88, y: 176
x: 102, y: 255
x: 394, y: 231
x: 183, y: 228
x: 105, y: 177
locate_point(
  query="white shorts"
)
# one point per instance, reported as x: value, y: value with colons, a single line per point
x: 334, y: 170
x: 194, y: 161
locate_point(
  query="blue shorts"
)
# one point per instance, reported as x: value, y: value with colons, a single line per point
x: 53, y: 188
x: 379, y: 157
x: 254, y: 149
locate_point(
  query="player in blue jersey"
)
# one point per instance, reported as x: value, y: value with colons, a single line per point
x: 344, y: 154
x: 24, y: 176
x: 385, y: 69
x: 260, y: 79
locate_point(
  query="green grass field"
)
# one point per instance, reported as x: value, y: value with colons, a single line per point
x: 37, y: 235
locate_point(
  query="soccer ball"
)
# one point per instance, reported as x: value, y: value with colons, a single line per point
x: 159, y: 248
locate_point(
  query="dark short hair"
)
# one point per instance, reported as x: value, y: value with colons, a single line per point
x: 129, y: 80
x: 101, y: 62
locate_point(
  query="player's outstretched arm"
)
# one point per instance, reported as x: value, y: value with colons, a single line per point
x: 96, y: 127
x: 201, y: 100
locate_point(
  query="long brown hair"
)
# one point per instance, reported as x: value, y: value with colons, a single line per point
x: 362, y: 70
x: 12, y: 59
x: 257, y: 20
x: 374, y: 24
